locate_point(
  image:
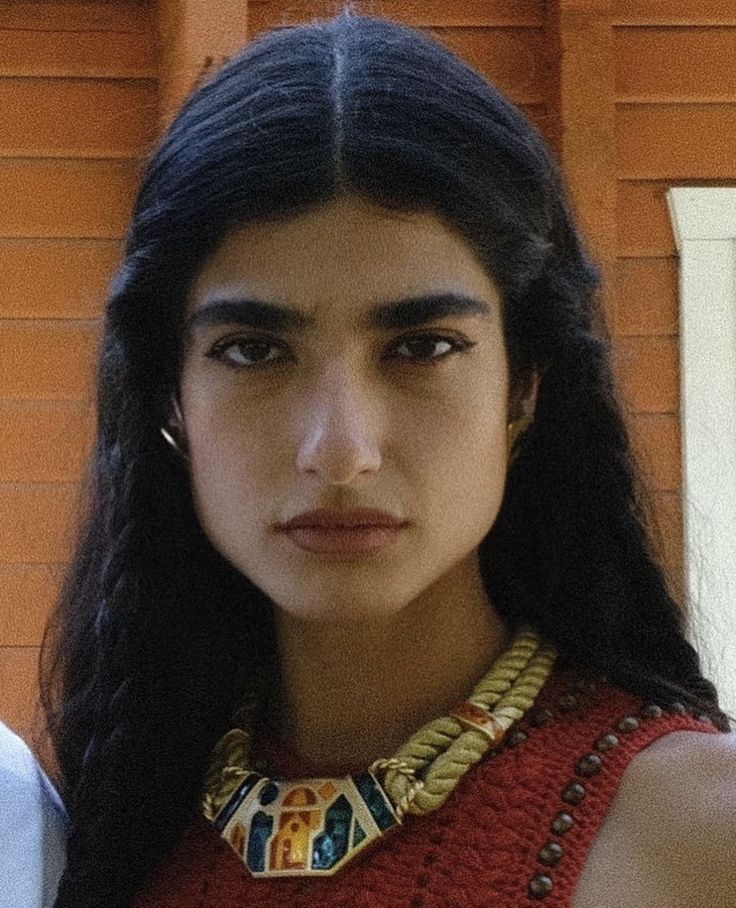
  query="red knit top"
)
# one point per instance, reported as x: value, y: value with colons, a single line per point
x: 516, y: 830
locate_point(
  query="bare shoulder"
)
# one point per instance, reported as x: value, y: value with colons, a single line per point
x: 669, y: 838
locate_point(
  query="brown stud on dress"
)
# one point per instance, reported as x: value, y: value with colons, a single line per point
x: 630, y: 723
x: 574, y: 793
x: 562, y: 823
x: 551, y: 854
x: 607, y: 742
x: 540, y: 886
x: 590, y: 765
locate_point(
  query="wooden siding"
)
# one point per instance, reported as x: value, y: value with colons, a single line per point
x: 675, y: 84
x: 78, y: 110
x: 263, y: 14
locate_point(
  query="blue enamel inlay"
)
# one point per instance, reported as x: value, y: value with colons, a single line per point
x: 375, y: 800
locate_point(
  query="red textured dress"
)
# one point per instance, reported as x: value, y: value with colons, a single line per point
x: 516, y: 830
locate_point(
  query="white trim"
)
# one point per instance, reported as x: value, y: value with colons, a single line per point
x: 704, y: 221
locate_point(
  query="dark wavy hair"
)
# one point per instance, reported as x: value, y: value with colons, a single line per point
x: 156, y: 638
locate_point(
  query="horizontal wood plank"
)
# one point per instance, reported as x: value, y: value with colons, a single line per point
x: 656, y: 440
x: 77, y: 117
x: 265, y: 14
x: 674, y: 12
x: 56, y: 278
x: 496, y: 52
x: 78, y: 15
x: 648, y: 371
x: 66, y: 198
x: 646, y: 297
x: 47, y: 360
x: 27, y: 595
x: 19, y: 708
x: 694, y: 141
x: 39, y: 523
x: 669, y: 541
x: 44, y: 441
x: 78, y: 54
x: 705, y: 69
x: 643, y: 222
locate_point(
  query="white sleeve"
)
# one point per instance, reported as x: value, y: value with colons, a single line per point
x: 33, y: 826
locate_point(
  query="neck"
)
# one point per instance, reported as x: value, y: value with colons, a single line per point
x: 352, y: 692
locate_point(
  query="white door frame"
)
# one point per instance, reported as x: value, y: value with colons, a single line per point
x: 704, y: 221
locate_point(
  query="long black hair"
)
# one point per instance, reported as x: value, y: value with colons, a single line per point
x: 156, y: 637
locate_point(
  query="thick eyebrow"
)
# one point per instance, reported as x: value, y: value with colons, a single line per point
x: 403, y: 313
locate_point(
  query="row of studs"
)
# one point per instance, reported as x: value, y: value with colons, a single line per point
x: 589, y: 765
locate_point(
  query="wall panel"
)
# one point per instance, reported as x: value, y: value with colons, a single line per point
x: 674, y: 12
x: 646, y: 297
x: 78, y: 109
x: 648, y: 370
x: 47, y: 360
x: 657, y: 439
x: 52, y: 118
x: 26, y: 594
x: 455, y: 13
x: 30, y: 52
x: 37, y: 521
x: 49, y: 197
x: 676, y: 141
x: 111, y: 16
x: 69, y: 276
x: 44, y: 441
x: 675, y: 83
x: 705, y: 69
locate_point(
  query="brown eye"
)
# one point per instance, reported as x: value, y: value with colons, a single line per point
x: 427, y: 342
x: 242, y: 353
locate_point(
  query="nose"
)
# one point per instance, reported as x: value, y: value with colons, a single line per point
x: 339, y: 440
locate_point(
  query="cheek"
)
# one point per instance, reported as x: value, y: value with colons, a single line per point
x: 229, y: 472
x: 461, y: 459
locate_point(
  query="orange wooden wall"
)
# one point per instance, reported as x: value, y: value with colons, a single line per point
x: 674, y: 78
x: 78, y: 106
x: 643, y: 98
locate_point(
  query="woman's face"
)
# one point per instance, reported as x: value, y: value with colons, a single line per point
x: 343, y: 411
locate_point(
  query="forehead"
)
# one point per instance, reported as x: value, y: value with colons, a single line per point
x: 344, y: 254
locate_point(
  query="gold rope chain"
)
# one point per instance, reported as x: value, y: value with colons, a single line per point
x: 425, y: 770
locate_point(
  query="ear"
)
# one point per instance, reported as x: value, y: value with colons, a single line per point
x: 176, y: 428
x: 524, y: 400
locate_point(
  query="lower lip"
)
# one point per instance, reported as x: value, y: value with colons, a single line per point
x: 342, y: 541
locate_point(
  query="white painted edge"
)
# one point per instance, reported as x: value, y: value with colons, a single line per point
x: 704, y: 221
x: 702, y: 213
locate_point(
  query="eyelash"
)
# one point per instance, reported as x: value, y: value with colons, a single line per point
x: 458, y: 346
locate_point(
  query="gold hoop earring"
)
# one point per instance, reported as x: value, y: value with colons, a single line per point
x: 169, y: 437
x: 515, y: 430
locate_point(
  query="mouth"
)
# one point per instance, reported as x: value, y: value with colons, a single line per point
x: 356, y: 540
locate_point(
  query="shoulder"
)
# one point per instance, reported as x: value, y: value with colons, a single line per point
x: 32, y: 823
x: 674, y: 815
x: 24, y: 787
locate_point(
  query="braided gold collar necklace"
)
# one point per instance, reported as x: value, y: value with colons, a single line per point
x: 313, y: 827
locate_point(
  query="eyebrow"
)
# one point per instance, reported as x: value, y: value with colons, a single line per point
x: 397, y: 314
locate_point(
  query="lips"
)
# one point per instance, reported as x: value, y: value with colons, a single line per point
x: 353, y: 542
x: 334, y: 520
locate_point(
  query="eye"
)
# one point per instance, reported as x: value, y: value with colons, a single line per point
x: 428, y: 341
x: 235, y: 351
x: 245, y: 352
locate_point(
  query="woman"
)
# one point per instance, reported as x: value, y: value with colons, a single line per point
x: 352, y: 284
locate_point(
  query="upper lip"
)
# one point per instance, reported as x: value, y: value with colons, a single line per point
x: 324, y: 517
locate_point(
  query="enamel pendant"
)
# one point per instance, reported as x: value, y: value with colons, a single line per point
x: 305, y: 827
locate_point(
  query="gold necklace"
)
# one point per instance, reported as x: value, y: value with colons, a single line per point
x: 313, y: 827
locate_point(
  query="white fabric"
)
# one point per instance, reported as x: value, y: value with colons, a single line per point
x: 33, y: 826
